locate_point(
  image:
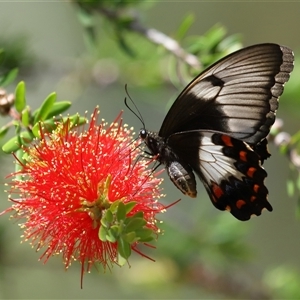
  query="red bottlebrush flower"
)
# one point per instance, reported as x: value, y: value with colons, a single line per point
x: 85, y: 195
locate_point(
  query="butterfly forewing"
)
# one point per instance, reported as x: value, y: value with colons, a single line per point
x: 238, y: 95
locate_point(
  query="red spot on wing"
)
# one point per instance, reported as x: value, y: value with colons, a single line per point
x: 251, y: 172
x: 243, y: 155
x: 253, y: 198
x: 227, y: 140
x: 240, y: 203
x: 217, y: 191
x: 256, y: 188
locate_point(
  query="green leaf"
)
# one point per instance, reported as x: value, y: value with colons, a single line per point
x: 58, y: 108
x: 76, y: 120
x: 2, y: 55
x: 139, y: 214
x: 47, y: 126
x: 130, y: 237
x: 124, y: 248
x: 134, y: 224
x: 18, y: 167
x: 102, y: 233
x: 107, y: 218
x: 144, y: 235
x: 114, y: 231
x: 110, y: 237
x: 44, y: 110
x: 295, y: 138
x: 290, y: 187
x: 9, y: 77
x: 114, y: 206
x: 20, y: 101
x: 121, y: 212
x: 11, y: 145
x: 214, y: 36
x: 25, y: 137
x: 15, y: 143
x: 129, y: 206
x: 3, y: 131
x: 25, y: 116
x: 185, y: 26
x: 17, y: 125
x: 121, y: 260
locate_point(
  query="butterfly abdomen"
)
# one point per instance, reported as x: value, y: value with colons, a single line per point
x: 183, y: 177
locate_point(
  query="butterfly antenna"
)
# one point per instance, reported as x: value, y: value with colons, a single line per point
x: 138, y: 114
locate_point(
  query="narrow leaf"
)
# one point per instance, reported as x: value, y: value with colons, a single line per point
x: 185, y: 26
x: 121, y: 212
x: 20, y: 100
x: 129, y: 206
x: 47, y: 126
x: 135, y: 224
x: 110, y: 237
x: 11, y: 145
x: 45, y: 108
x: 2, y: 55
x: 109, y: 216
x: 102, y: 233
x: 144, y: 234
x: 130, y: 237
x: 290, y: 187
x: 115, y: 231
x: 114, y: 206
x: 3, y: 131
x: 76, y: 120
x: 58, y: 108
x: 124, y: 248
x: 19, y: 164
x: 25, y: 116
x: 15, y: 143
x: 9, y: 77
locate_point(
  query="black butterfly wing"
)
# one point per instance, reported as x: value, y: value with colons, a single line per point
x: 238, y: 95
x: 229, y: 169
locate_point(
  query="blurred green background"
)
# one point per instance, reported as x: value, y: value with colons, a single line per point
x: 204, y: 253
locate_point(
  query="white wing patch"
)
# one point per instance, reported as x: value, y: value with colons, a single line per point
x: 214, y: 165
x: 205, y: 90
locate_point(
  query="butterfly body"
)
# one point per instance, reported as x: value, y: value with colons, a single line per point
x: 217, y: 129
x: 179, y: 172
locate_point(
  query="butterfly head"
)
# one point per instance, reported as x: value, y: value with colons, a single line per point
x: 150, y: 140
x: 143, y: 134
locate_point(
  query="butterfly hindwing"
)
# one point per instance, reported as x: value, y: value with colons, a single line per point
x: 238, y: 95
x: 229, y: 169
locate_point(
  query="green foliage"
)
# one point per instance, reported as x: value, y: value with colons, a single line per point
x: 213, y: 45
x: 17, y: 56
x: 118, y: 226
x: 122, y: 34
x: 44, y: 110
x: 283, y: 281
x: 28, y: 126
x: 20, y: 100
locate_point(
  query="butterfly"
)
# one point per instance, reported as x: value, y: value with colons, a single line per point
x: 217, y: 129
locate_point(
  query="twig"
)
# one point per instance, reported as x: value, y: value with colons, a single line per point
x: 156, y: 37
